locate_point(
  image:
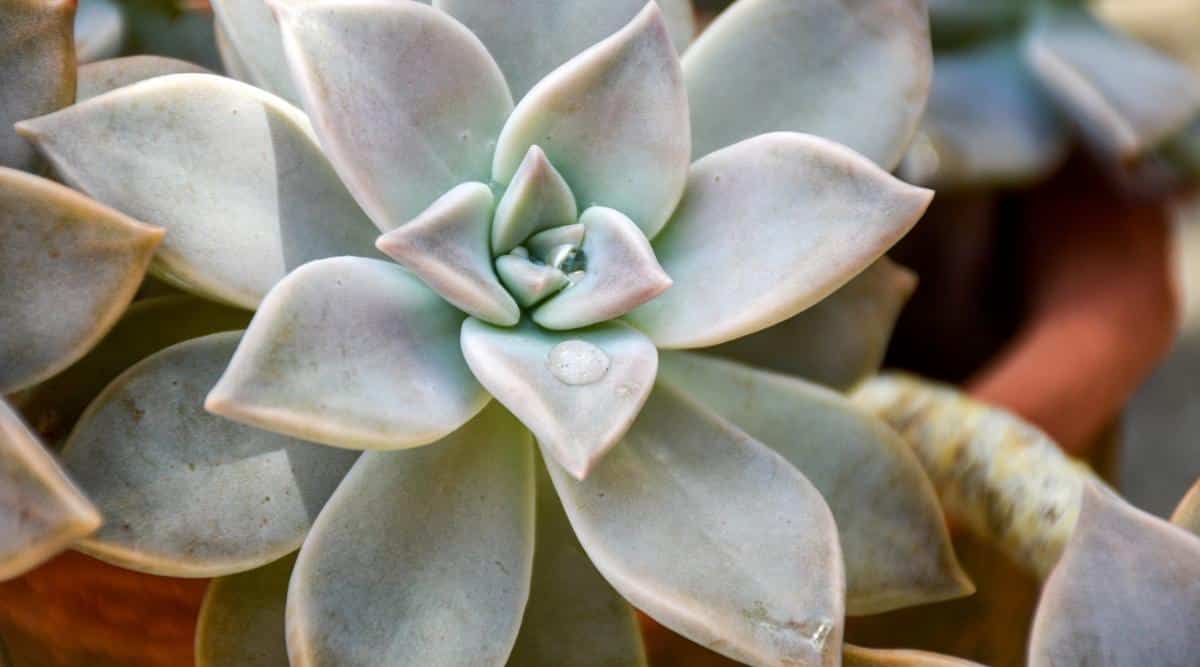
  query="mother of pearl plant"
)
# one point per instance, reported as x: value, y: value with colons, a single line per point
x: 1015, y: 81
x: 534, y: 188
x: 427, y: 556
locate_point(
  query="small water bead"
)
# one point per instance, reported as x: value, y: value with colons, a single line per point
x: 577, y: 362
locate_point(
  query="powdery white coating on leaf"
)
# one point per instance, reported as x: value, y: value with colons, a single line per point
x: 41, y: 510
x: 1125, y: 96
x: 614, y: 121
x: 147, y: 326
x: 97, y: 78
x: 241, y: 623
x: 99, y: 30
x: 1126, y: 592
x: 37, y: 69
x: 622, y: 274
x: 767, y: 228
x: 253, y: 46
x: 855, y: 656
x: 407, y: 102
x: 1188, y: 512
x: 841, y: 340
x: 68, y: 267
x: 1006, y: 480
x: 233, y: 173
x: 537, y: 199
x: 892, y: 533
x: 988, y: 123
x: 574, y: 617
x: 579, y: 399
x: 853, y: 71
x: 686, y: 495
x: 447, y: 248
x: 530, y: 38
x: 185, y: 493
x: 353, y: 353
x: 421, y: 557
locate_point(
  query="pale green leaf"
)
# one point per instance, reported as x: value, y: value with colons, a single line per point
x: 421, y: 557
x: 189, y: 494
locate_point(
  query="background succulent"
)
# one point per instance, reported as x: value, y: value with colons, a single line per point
x: 1016, y: 81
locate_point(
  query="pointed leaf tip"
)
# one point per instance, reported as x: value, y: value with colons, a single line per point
x: 685, y: 494
x: 187, y: 493
x: 447, y: 248
x: 383, y: 367
x: 69, y: 266
x: 796, y: 217
x: 42, y: 511
x: 1124, y: 593
x: 613, y: 120
x: 578, y: 391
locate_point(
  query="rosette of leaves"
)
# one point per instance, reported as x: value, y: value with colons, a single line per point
x: 1017, y: 81
x: 551, y: 217
x: 71, y: 266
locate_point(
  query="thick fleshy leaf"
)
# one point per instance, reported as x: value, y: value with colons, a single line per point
x: 231, y: 60
x: 422, y: 557
x: 41, y: 511
x: 894, y: 540
x: 529, y: 282
x: 37, y: 68
x: 537, y: 199
x: 855, y: 656
x: 407, y: 102
x: 447, y: 248
x: 530, y: 38
x: 189, y: 494
x: 232, y: 172
x: 1005, y: 480
x: 769, y: 227
x: 99, y: 30
x: 103, y: 76
x: 355, y: 353
x: 686, y: 495
x: 622, y: 274
x: 242, y: 620
x: 614, y: 121
x: 68, y: 267
x: 988, y: 123
x: 149, y: 325
x: 1124, y: 96
x: 1127, y: 592
x: 577, y: 391
x: 840, y: 341
x: 1188, y: 512
x: 254, y: 46
x: 574, y: 617
x: 853, y: 72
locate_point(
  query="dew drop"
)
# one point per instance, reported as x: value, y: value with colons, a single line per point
x: 577, y: 362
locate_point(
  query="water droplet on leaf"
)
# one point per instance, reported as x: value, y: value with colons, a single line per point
x: 577, y: 362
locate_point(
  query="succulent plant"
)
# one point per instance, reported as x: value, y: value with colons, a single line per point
x: 546, y: 249
x: 71, y: 266
x: 1016, y: 80
x: 1120, y: 585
